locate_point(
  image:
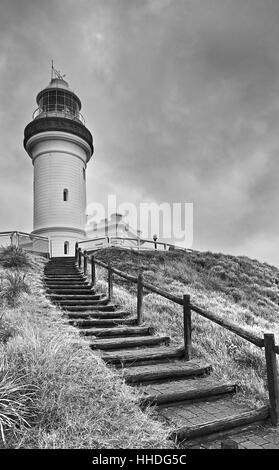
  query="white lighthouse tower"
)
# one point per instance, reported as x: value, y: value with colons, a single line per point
x: 60, y: 147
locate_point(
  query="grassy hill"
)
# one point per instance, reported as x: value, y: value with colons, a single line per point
x: 240, y: 289
x: 56, y: 393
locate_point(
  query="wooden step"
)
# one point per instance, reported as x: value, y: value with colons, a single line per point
x: 66, y: 270
x: 63, y: 278
x: 102, y: 322
x: 128, y: 342
x: 62, y: 267
x: 185, y: 390
x: 118, y: 331
x: 61, y: 274
x: 78, y: 297
x: 62, y: 259
x: 83, y: 303
x: 146, y: 355
x: 66, y: 284
x: 73, y: 291
x: 88, y: 309
x: 171, y: 370
x: 224, y: 425
x: 54, y: 287
x: 98, y: 314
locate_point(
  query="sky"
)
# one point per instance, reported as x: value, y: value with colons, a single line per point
x: 182, y: 99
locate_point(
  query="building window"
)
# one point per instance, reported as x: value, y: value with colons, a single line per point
x: 65, y: 194
x: 66, y: 248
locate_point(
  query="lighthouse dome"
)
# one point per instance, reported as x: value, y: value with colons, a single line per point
x: 58, y: 83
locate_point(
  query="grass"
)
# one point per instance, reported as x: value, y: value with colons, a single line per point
x: 56, y: 393
x: 239, y: 289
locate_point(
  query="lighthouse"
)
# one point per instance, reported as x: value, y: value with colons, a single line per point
x: 60, y: 147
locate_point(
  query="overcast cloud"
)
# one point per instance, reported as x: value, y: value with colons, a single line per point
x: 182, y: 98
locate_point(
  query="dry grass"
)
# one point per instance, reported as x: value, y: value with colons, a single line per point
x: 69, y: 398
x: 242, y: 290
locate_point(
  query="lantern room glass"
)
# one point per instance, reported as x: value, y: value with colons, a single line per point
x: 59, y: 101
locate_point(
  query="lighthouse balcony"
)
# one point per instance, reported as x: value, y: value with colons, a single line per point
x: 58, y: 111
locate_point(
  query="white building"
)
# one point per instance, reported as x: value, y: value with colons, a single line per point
x: 60, y: 147
x: 115, y: 228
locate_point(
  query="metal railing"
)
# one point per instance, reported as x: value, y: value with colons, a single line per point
x: 83, y: 261
x: 57, y: 111
x: 93, y: 244
x: 27, y: 242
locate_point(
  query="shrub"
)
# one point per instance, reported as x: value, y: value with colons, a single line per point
x: 236, y: 294
x: 13, y: 257
x: 12, y: 286
x: 219, y: 271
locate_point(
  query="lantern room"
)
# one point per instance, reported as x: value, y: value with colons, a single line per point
x: 57, y: 99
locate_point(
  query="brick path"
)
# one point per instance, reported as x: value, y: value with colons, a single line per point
x: 200, y: 412
x: 260, y: 437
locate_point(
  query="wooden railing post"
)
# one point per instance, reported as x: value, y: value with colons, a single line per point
x: 110, y: 282
x: 93, y: 271
x: 79, y: 258
x: 76, y: 252
x: 17, y: 240
x: 85, y: 262
x: 139, y: 300
x: 187, y: 326
x: 50, y: 248
x: 272, y: 377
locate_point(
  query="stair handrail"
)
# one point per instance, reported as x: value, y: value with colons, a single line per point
x: 267, y: 342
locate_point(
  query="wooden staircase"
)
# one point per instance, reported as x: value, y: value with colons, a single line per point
x: 187, y: 397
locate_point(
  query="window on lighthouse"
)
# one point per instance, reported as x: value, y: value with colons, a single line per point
x: 66, y: 248
x: 65, y: 194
